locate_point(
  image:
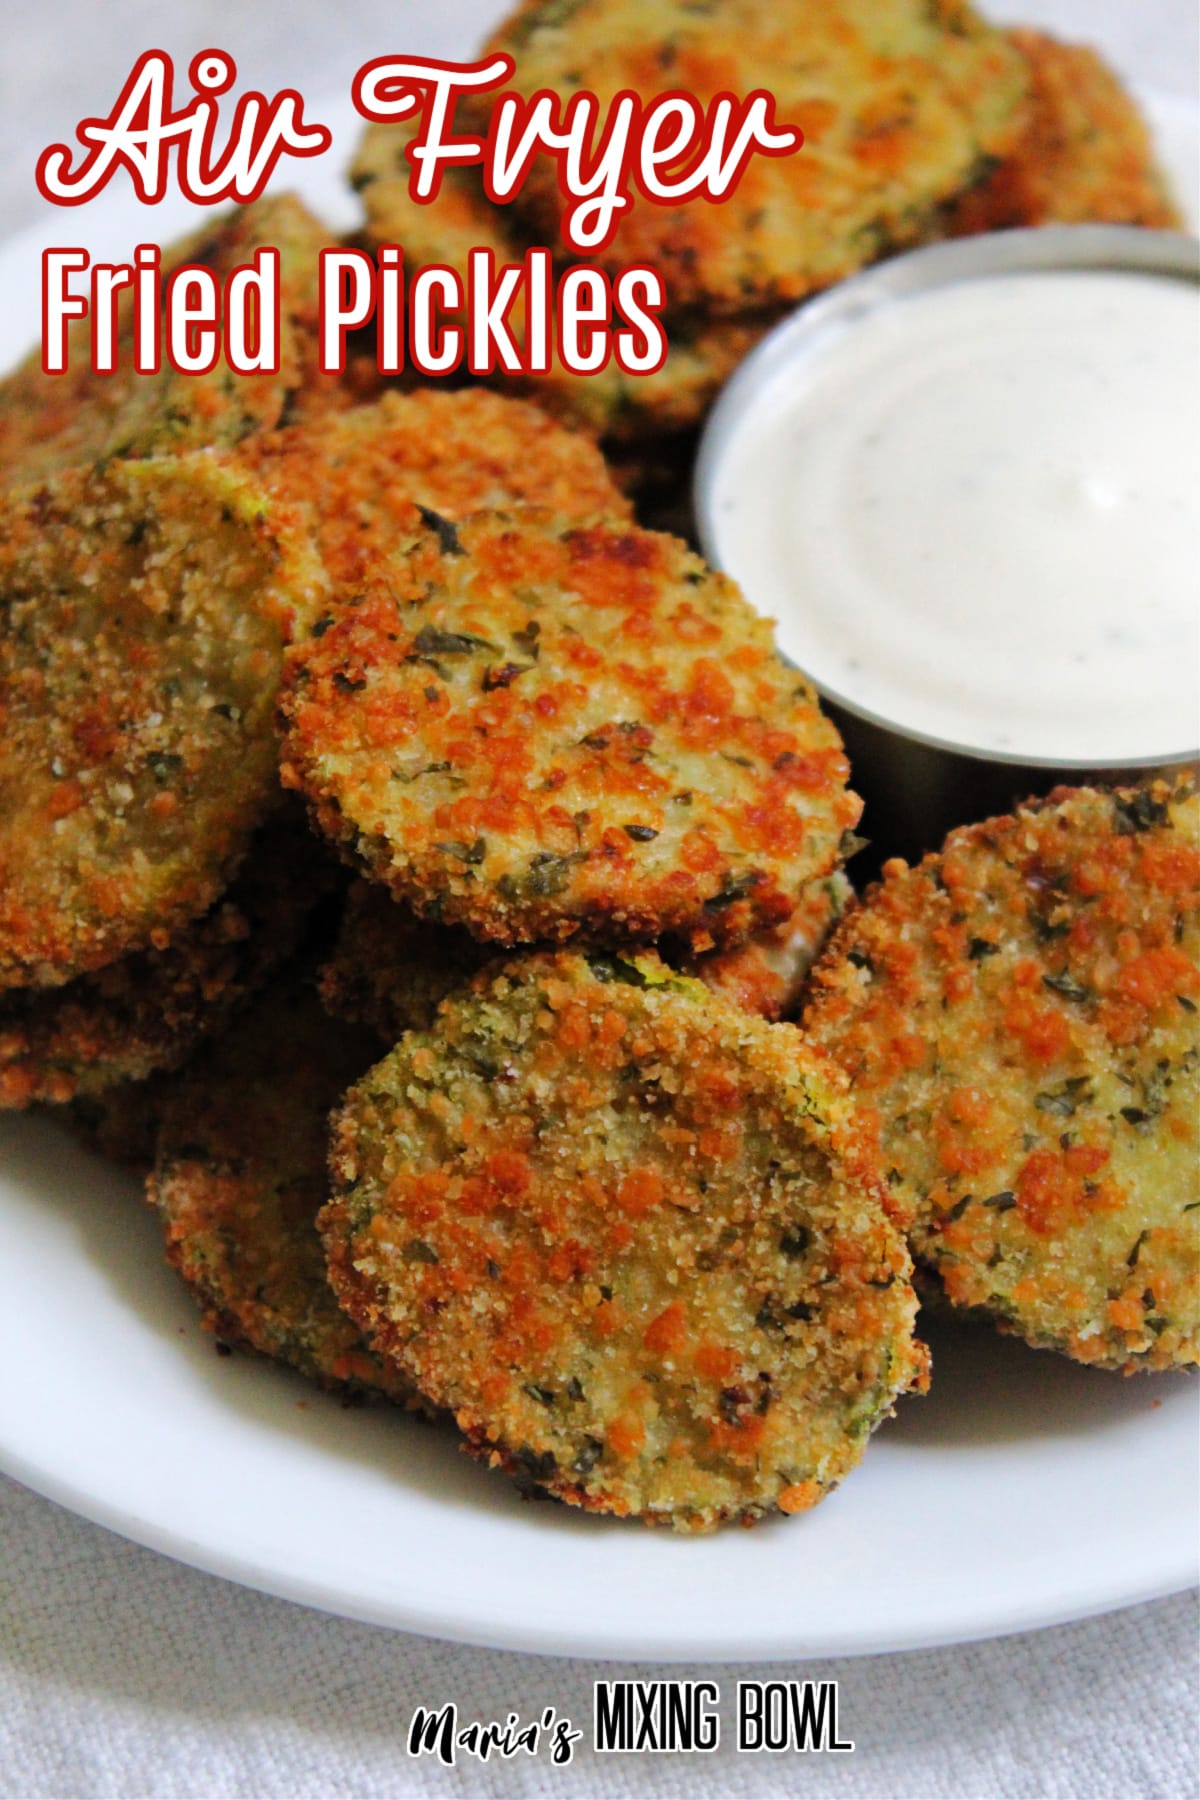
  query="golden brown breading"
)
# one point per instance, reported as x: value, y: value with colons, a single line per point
x: 536, y: 729
x: 899, y: 101
x: 356, y: 483
x: 1021, y: 1012
x: 1086, y: 155
x: 240, y: 1176
x: 143, y: 612
x: 149, y: 1010
x: 630, y: 1237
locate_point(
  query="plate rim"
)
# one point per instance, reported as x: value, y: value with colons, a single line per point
x: 463, y: 1625
x: 604, y: 1646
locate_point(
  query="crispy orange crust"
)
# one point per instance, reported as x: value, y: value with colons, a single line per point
x: 51, y: 422
x: 355, y: 483
x: 1086, y: 155
x: 239, y: 1178
x: 899, y: 100
x: 149, y: 1010
x: 1020, y: 1012
x: 631, y: 1237
x: 535, y: 730
x: 143, y: 612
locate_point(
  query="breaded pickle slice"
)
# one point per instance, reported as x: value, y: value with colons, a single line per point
x: 148, y: 1010
x: 629, y: 1236
x: 143, y: 612
x: 1085, y: 156
x: 533, y: 729
x: 766, y: 975
x: 356, y: 482
x: 51, y: 422
x: 1021, y: 1011
x: 391, y: 970
x: 120, y: 1122
x: 899, y: 102
x: 617, y: 407
x: 240, y: 1175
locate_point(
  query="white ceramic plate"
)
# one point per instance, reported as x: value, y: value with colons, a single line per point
x: 1024, y: 1491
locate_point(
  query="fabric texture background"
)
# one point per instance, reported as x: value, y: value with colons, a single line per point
x: 123, y: 1674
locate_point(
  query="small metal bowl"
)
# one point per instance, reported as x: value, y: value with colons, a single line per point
x: 916, y: 786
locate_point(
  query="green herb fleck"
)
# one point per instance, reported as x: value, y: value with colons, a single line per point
x: 447, y: 536
x: 795, y: 1241
x: 467, y: 853
x: 1140, y: 811
x: 429, y: 642
x: 1066, y: 985
x: 416, y: 1250
x: 1076, y: 1091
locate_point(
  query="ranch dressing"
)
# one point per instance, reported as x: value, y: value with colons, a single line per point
x: 975, y: 514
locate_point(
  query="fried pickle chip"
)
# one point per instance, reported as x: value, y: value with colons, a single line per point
x: 1021, y: 1012
x: 899, y: 102
x: 767, y: 974
x: 121, y: 1122
x: 1086, y: 155
x: 149, y: 1010
x: 357, y: 482
x: 240, y: 1176
x: 51, y: 422
x: 391, y: 970
x: 617, y: 407
x: 536, y: 729
x: 143, y: 612
x: 629, y: 1236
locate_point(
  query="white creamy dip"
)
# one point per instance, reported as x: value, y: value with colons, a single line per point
x: 975, y: 514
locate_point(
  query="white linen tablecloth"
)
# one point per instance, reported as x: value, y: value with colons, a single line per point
x: 123, y: 1674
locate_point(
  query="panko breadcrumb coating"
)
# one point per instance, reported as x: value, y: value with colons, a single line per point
x: 1021, y: 1013
x: 143, y: 612
x: 240, y: 1176
x: 50, y: 422
x: 630, y: 1237
x: 1086, y: 155
x: 356, y: 483
x: 537, y: 729
x: 900, y: 101
x: 149, y: 1010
